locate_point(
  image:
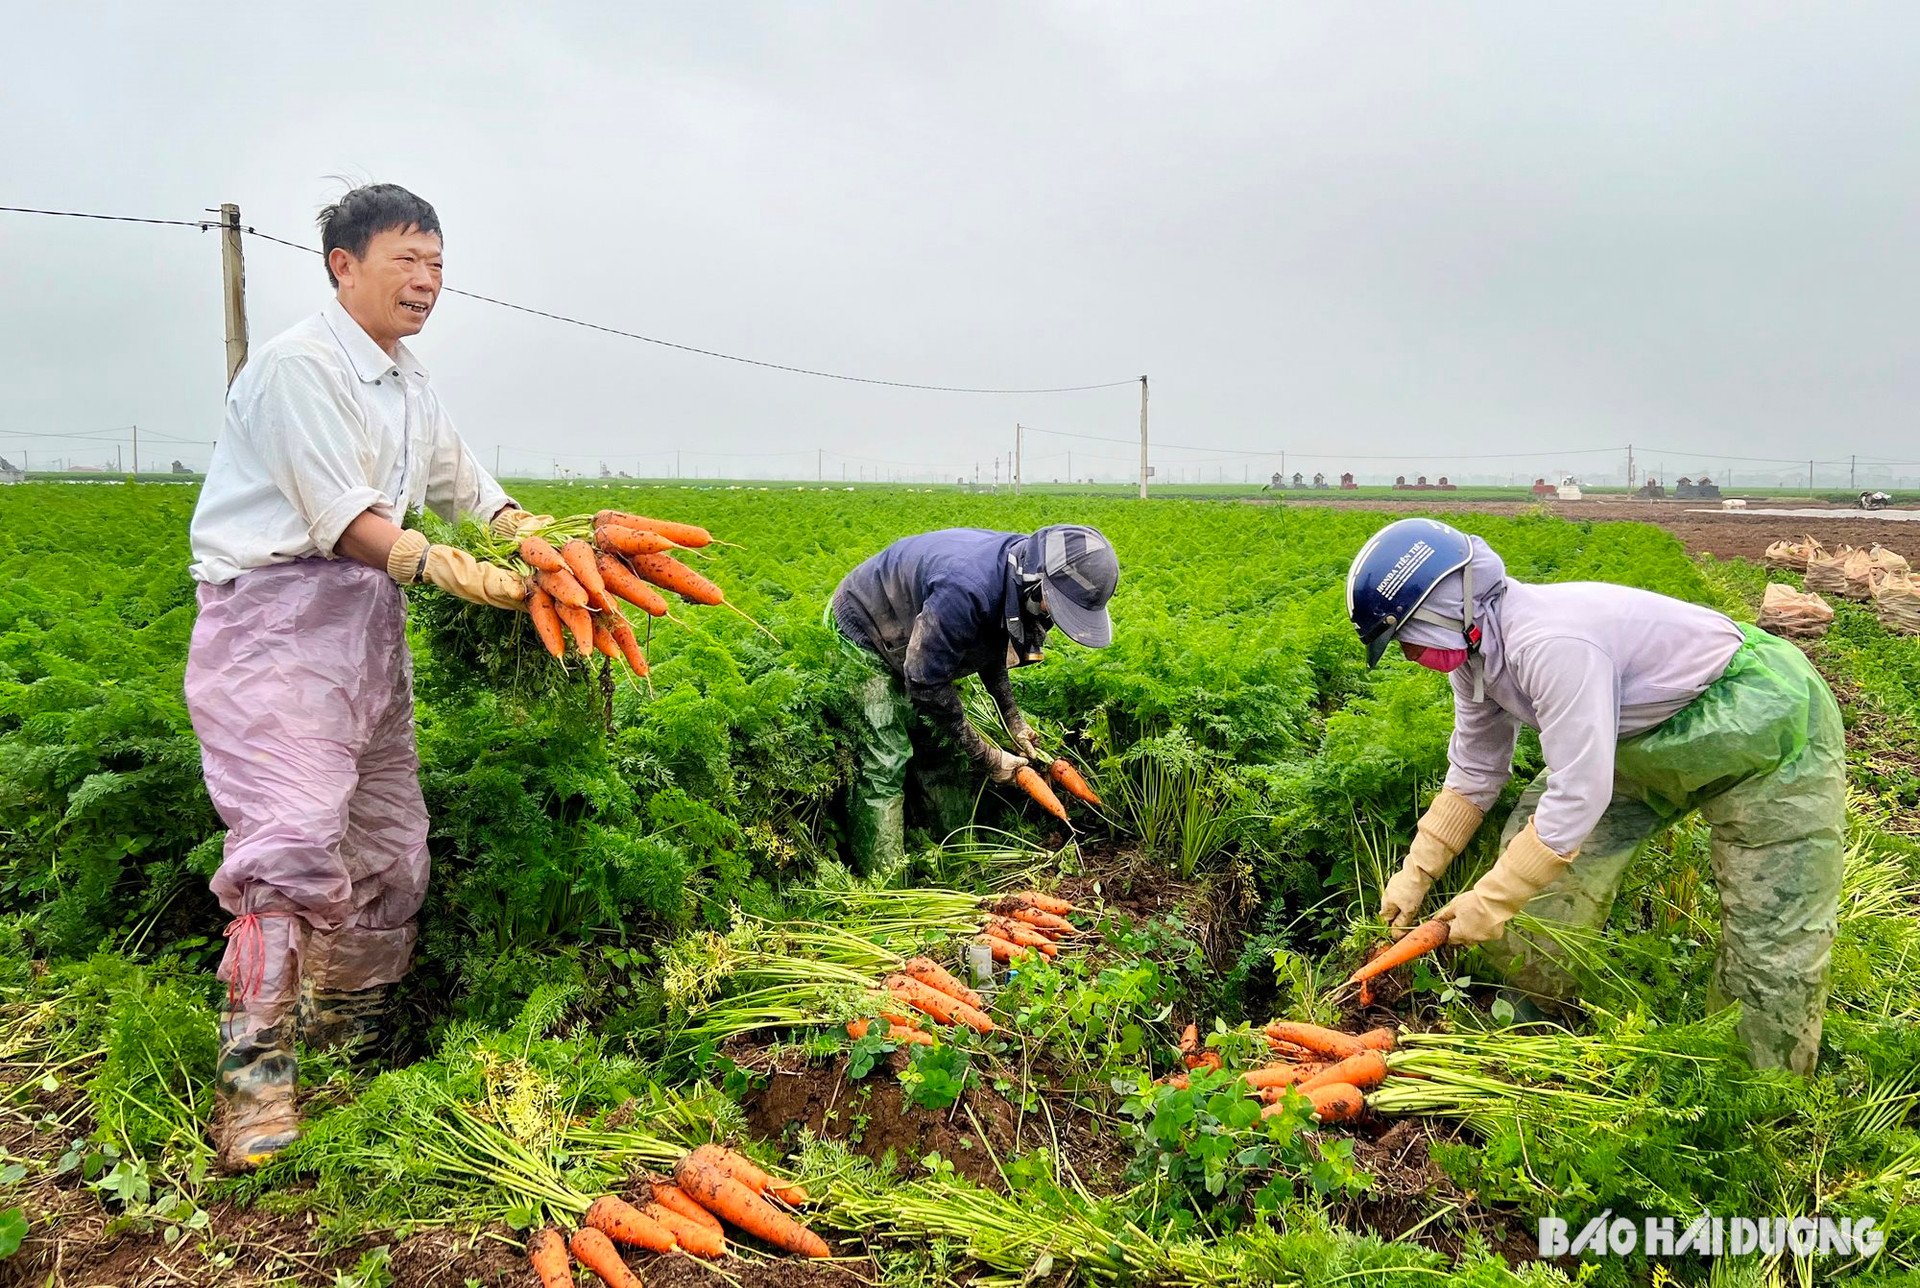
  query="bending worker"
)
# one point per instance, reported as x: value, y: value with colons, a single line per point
x: 931, y: 609
x: 1647, y: 708
x: 298, y: 678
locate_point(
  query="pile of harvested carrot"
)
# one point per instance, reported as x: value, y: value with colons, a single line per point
x: 711, y: 1185
x: 579, y: 583
x: 1333, y: 1070
x: 1029, y: 921
x: 924, y: 985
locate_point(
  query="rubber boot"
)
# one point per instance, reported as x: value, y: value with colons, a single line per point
x: 350, y: 1021
x: 255, y: 1116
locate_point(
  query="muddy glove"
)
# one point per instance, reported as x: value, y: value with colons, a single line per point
x: 412, y: 560
x: 1001, y: 764
x: 512, y: 521
x: 1022, y: 734
x: 1525, y: 869
x: 1445, y: 829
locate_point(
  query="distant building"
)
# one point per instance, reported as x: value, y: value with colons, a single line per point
x: 1347, y: 483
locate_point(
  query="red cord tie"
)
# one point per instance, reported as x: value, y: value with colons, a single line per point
x: 246, y: 967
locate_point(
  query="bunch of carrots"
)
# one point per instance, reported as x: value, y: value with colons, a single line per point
x: 710, y: 1186
x: 1062, y: 772
x: 579, y: 583
x: 1021, y: 923
x: 1028, y: 922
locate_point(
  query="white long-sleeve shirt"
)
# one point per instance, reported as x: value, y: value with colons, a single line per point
x: 321, y: 427
x: 1587, y: 664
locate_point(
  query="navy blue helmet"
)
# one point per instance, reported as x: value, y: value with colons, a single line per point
x: 1395, y: 572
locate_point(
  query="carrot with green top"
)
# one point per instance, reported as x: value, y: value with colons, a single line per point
x: 701, y: 1238
x: 586, y: 570
x: 675, y: 1199
x: 934, y: 975
x: 596, y: 1252
x: 1417, y: 942
x: 624, y: 1223
x: 547, y: 1254
x: 709, y: 1185
x: 1045, y: 922
x: 564, y: 588
x: 1044, y: 902
x: 1320, y: 1041
x: 1071, y: 781
x: 613, y: 539
x: 626, y: 641
x: 946, y: 1009
x: 579, y: 624
x: 1365, y: 1070
x: 681, y: 534
x: 546, y: 621
x: 1029, y: 781
x: 621, y: 580
x: 539, y: 555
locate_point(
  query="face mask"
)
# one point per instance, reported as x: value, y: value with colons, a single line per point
x: 1437, y: 659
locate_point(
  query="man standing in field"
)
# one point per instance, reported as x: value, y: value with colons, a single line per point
x: 298, y: 677
x: 1648, y: 708
x: 934, y: 608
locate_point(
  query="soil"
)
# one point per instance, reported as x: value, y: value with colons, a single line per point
x: 1726, y: 534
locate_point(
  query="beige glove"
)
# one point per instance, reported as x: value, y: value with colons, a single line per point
x: 1022, y: 734
x: 1525, y: 869
x: 412, y: 560
x: 1445, y: 829
x: 512, y: 521
x: 1001, y: 764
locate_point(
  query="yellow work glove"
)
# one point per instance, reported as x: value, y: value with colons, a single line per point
x: 413, y: 559
x: 1446, y: 827
x: 511, y: 522
x: 1001, y: 764
x: 1524, y: 869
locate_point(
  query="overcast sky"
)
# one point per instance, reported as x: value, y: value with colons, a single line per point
x: 1344, y: 230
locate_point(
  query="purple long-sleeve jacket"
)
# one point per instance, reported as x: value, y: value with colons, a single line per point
x: 1585, y: 663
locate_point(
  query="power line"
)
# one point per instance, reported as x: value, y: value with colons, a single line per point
x: 729, y: 357
x: 117, y: 219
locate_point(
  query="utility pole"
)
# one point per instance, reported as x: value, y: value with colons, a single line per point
x: 1629, y: 467
x: 1016, y: 458
x: 1809, y: 476
x: 233, y: 275
x: 1143, y: 438
x: 136, y: 448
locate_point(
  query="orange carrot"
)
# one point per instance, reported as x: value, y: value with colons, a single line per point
x: 701, y: 1238
x: 540, y: 555
x: 1279, y: 1074
x: 895, y: 1033
x: 1025, y: 936
x: 748, y: 1173
x: 1035, y: 786
x: 1380, y: 1039
x: 1417, y: 942
x: 614, y: 539
x: 1070, y: 780
x: 624, y: 1223
x: 1044, y: 902
x: 603, y: 640
x: 934, y: 975
x: 563, y: 588
x: 937, y: 1004
x: 1189, y: 1039
x: 1003, y: 950
x: 1316, y: 1039
x: 1205, y: 1060
x: 596, y: 1252
x: 1366, y: 1070
x: 580, y: 562
x: 681, y: 534
x: 579, y: 624
x: 1045, y: 922
x: 1336, y: 1102
x: 620, y: 580
x: 666, y: 571
x: 674, y: 1199
x: 741, y: 1208
x: 624, y: 639
x: 546, y: 621
x: 547, y: 1254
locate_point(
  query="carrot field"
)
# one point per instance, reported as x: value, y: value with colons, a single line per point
x: 641, y: 939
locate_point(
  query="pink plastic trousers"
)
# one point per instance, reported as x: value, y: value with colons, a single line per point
x: 301, y: 692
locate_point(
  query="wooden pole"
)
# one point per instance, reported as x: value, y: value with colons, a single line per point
x: 136, y: 451
x: 233, y: 275
x: 1143, y: 438
x: 1016, y: 458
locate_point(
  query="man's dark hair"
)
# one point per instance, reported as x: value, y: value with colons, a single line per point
x: 351, y: 222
